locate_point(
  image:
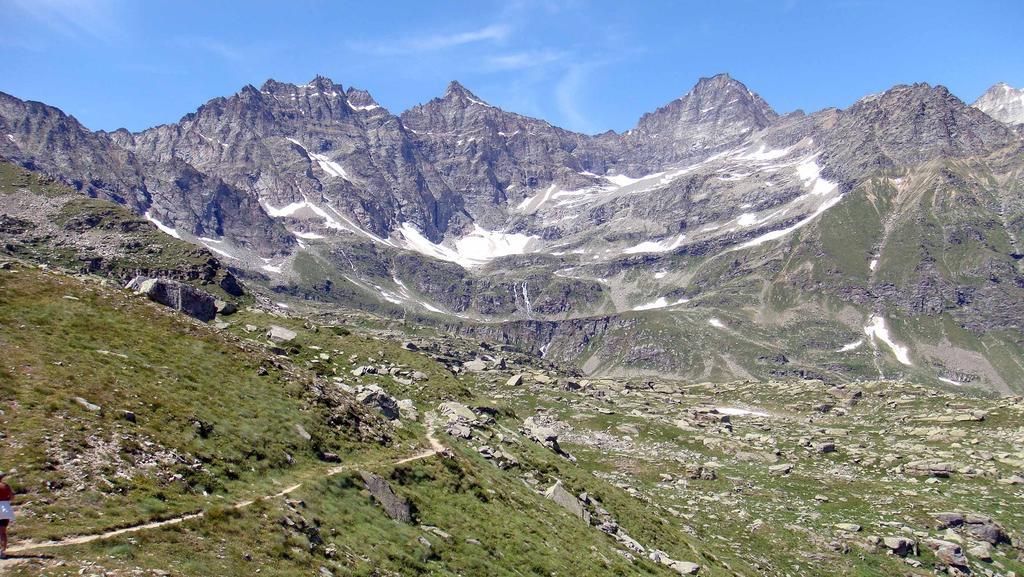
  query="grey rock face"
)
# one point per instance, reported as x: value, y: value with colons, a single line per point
x: 906, y: 125
x: 338, y: 152
x: 491, y: 157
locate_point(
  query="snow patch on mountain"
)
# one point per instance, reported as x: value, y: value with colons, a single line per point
x: 659, y: 303
x: 163, y: 227
x: 763, y: 154
x: 221, y: 252
x: 326, y: 164
x: 364, y: 107
x: 294, y: 208
x: 851, y: 346
x: 877, y: 329
x: 737, y: 412
x: 664, y: 245
x: 777, y: 234
x: 621, y: 180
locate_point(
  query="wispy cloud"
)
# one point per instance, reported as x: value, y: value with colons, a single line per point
x: 433, y: 43
x: 525, y: 59
x: 209, y: 45
x: 93, y: 19
x: 567, y: 93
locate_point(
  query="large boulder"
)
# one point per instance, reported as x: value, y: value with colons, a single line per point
x: 280, y: 335
x: 539, y: 432
x: 983, y: 528
x: 567, y: 501
x: 225, y: 307
x: 455, y: 411
x: 231, y: 285
x: 901, y: 546
x: 178, y: 296
x: 947, y: 552
x: 396, y: 507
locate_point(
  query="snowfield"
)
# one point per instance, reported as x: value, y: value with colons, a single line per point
x: 474, y: 249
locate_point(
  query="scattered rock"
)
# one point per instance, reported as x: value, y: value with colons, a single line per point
x: 453, y: 410
x: 475, y: 366
x: 985, y: 529
x: 86, y: 404
x: 947, y: 552
x: 328, y: 457
x: 982, y: 551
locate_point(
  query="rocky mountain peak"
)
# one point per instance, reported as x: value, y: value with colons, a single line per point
x: 908, y: 125
x: 458, y: 93
x: 361, y: 99
x: 718, y: 112
x: 318, y: 86
x: 920, y: 119
x: 721, y: 98
x: 1002, y: 102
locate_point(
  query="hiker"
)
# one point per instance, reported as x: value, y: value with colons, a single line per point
x: 6, y: 513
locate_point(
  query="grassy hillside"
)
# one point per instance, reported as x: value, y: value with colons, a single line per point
x: 213, y: 422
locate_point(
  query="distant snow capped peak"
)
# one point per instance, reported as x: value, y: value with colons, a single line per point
x: 1003, y: 103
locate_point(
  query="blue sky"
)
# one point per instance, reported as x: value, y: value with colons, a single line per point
x: 587, y: 66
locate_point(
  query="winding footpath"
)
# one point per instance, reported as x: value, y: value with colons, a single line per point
x: 14, y: 551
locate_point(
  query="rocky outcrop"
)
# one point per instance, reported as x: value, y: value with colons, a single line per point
x: 375, y: 397
x: 394, y: 506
